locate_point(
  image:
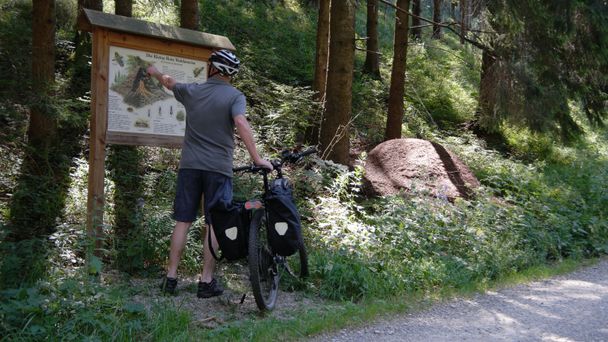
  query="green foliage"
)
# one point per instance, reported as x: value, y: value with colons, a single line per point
x: 22, y: 262
x: 369, y: 109
x: 442, y: 85
x: 255, y: 28
x: 540, y: 64
x: 279, y: 113
x: 125, y: 169
x: 15, y: 50
x: 523, y: 216
x: 76, y: 308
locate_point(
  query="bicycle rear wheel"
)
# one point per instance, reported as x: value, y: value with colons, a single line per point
x: 263, y: 271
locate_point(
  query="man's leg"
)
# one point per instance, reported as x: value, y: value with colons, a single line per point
x: 178, y: 242
x: 208, y: 259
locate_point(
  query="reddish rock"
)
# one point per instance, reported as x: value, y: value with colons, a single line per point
x: 415, y: 165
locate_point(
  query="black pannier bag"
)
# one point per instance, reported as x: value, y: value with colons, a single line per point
x: 231, y: 226
x: 284, y: 227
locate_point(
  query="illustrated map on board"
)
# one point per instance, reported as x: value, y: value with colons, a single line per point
x: 140, y: 104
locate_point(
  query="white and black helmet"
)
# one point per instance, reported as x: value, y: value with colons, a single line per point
x: 225, y: 62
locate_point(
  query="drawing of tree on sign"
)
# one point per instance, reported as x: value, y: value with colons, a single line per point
x: 136, y: 88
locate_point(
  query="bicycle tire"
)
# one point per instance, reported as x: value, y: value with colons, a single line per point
x: 263, y: 272
x: 303, y: 260
x: 296, y: 265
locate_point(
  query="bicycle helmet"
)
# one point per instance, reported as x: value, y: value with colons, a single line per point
x: 225, y: 62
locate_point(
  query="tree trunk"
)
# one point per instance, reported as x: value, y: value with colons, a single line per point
x: 125, y: 162
x: 322, y: 54
x: 485, y: 116
x: 189, y: 14
x: 321, y: 59
x: 82, y: 22
x: 124, y: 7
x: 436, y: 19
x: 39, y: 221
x: 416, y: 29
x: 397, y: 89
x: 37, y: 201
x: 372, y: 59
x: 336, y: 116
x: 463, y: 20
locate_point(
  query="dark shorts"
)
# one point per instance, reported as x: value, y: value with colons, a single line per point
x: 191, y: 185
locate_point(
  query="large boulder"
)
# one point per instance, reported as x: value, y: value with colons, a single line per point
x: 415, y: 165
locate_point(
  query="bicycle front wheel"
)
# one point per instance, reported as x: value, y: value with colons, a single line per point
x: 263, y: 271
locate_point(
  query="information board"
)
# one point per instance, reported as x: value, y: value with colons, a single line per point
x: 140, y: 104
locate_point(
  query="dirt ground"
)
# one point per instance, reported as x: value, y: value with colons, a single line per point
x: 235, y: 304
x: 415, y: 165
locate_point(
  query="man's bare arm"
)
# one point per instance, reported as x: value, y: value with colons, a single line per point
x: 164, y: 79
x: 246, y: 134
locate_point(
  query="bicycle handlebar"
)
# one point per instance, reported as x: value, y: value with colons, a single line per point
x: 242, y: 168
x: 286, y: 157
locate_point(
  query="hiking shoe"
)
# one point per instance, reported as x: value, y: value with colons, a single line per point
x: 208, y: 290
x: 169, y: 285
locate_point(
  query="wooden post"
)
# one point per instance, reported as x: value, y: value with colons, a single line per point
x: 97, y: 139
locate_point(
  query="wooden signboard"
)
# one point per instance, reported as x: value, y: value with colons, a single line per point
x: 129, y: 108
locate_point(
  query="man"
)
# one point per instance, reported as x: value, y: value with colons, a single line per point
x: 213, y: 110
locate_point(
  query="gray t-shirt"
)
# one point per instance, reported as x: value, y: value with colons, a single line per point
x: 209, y: 138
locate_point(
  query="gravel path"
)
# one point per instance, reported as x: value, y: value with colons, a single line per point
x: 572, y: 307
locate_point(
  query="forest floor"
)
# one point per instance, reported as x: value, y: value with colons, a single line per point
x: 235, y: 304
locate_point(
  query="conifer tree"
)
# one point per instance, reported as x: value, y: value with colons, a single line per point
x: 437, y: 18
x: 319, y: 83
x: 189, y: 14
x: 372, y: 57
x: 416, y: 29
x: 397, y: 89
x: 548, y: 54
x: 335, y: 125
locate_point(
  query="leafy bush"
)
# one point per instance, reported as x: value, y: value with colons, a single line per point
x: 523, y: 215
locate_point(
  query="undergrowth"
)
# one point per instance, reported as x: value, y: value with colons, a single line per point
x: 538, y: 203
x: 523, y: 215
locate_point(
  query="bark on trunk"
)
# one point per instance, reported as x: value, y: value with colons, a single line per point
x: 322, y: 54
x: 463, y: 20
x: 485, y: 115
x: 321, y: 59
x: 436, y: 19
x: 124, y: 7
x: 33, y: 212
x: 82, y: 22
x: 42, y: 124
x: 416, y: 29
x: 336, y: 116
x: 397, y: 89
x: 372, y: 59
x: 189, y: 14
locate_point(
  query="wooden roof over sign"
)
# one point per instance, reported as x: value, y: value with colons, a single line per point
x: 146, y: 28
